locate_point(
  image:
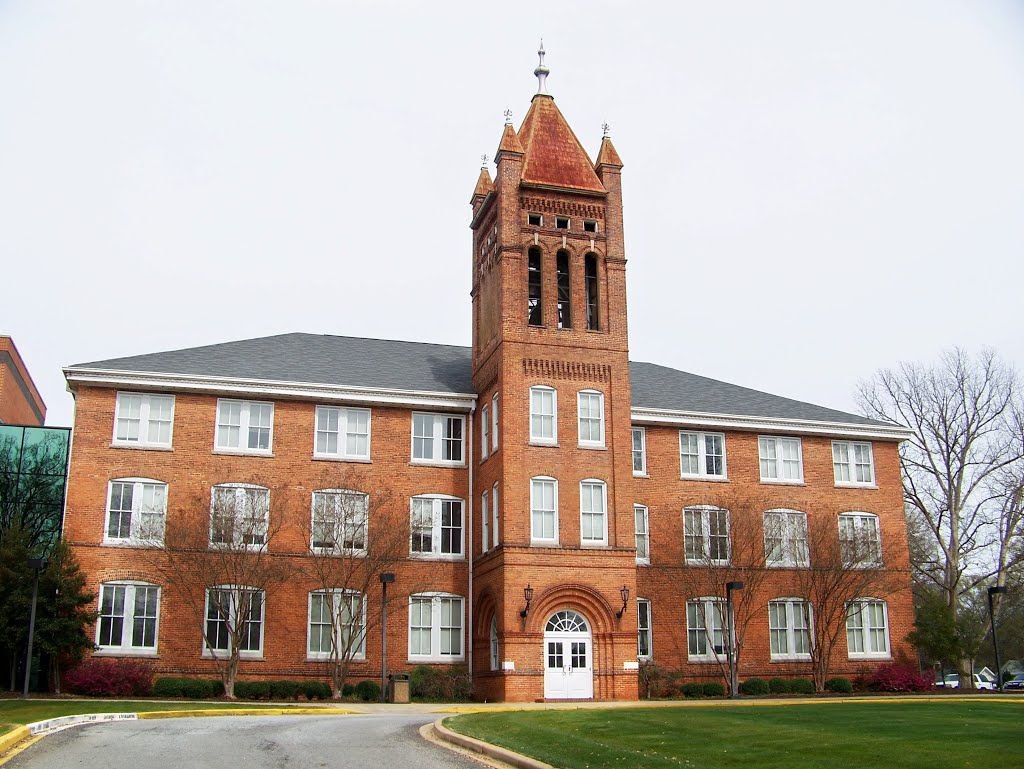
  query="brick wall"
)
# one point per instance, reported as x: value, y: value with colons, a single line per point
x: 20, y: 401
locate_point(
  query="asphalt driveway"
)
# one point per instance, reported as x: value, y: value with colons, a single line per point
x: 382, y: 741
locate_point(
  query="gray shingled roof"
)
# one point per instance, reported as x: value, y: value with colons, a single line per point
x: 388, y: 364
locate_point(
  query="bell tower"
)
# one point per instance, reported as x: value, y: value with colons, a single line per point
x: 553, y: 514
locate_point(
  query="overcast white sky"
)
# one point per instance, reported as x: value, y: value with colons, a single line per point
x: 813, y: 189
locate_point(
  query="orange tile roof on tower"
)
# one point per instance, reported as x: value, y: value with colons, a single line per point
x: 554, y: 155
x: 607, y: 156
x: 509, y: 141
x: 484, y: 185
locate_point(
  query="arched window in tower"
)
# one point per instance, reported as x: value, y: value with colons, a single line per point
x: 533, y: 284
x: 564, y: 294
x: 590, y: 272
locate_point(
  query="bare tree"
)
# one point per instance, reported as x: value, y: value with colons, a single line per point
x: 353, y: 537
x: 218, y: 562
x: 958, y: 411
x: 837, y: 572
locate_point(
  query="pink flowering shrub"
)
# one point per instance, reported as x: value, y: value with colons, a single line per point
x: 899, y: 677
x: 100, y: 677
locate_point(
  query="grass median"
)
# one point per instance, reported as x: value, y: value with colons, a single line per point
x: 853, y: 735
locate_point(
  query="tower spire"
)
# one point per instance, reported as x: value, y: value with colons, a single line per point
x: 541, y: 72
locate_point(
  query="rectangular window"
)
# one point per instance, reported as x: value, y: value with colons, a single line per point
x: 437, y: 439
x: 143, y: 420
x: 590, y: 413
x: 867, y: 629
x: 244, y: 426
x: 789, y: 629
x: 534, y: 310
x: 436, y: 527
x: 544, y: 510
x: 561, y: 222
x: 781, y: 460
x: 127, y: 621
x: 589, y: 225
x: 701, y: 455
x: 234, y: 615
x: 639, y: 451
x: 337, y: 625
x: 435, y: 628
x: 494, y: 422
x: 485, y: 432
x: 535, y: 220
x: 860, y: 540
x: 642, y: 534
x: 543, y: 419
x: 785, y: 539
x: 593, y: 513
x: 494, y: 514
x: 643, y: 629
x: 706, y: 629
x: 591, y: 285
x: 564, y: 294
x: 239, y: 516
x: 485, y: 523
x: 136, y: 511
x: 340, y: 522
x: 853, y: 464
x: 706, y: 535
x: 342, y: 433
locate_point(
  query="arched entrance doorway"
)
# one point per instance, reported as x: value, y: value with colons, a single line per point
x: 568, y: 657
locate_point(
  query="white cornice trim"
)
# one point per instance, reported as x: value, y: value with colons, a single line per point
x: 649, y: 416
x: 324, y: 393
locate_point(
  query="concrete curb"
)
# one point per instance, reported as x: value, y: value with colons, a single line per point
x: 13, y: 737
x: 504, y: 755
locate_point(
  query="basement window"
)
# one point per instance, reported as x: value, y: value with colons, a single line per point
x: 590, y: 225
x: 561, y: 222
x: 535, y: 220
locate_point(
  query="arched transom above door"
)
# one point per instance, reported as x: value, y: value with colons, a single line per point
x: 566, y: 622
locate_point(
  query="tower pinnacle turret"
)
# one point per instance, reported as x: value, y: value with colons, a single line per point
x: 541, y: 72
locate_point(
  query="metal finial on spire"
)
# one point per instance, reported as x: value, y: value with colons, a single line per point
x: 483, y: 162
x: 508, y: 117
x: 605, y: 128
x: 541, y: 72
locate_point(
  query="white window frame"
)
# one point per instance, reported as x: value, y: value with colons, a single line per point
x: 543, y: 480
x: 864, y: 629
x: 435, y: 554
x: 589, y: 443
x: 641, y: 513
x: 777, y: 442
x: 136, y: 536
x: 435, y: 654
x: 145, y: 407
x: 128, y: 649
x: 243, y: 428
x: 641, y: 629
x: 593, y: 541
x: 485, y: 522
x: 344, y: 415
x: 788, y: 559
x: 239, y: 489
x: 791, y: 630
x: 494, y: 648
x: 705, y: 535
x: 494, y: 515
x: 340, y: 524
x: 485, y: 432
x: 642, y: 432
x: 494, y: 423
x: 440, y: 421
x: 543, y: 440
x: 236, y: 593
x: 358, y: 652
x: 708, y: 607
x: 850, y: 463
x: 859, y: 521
x: 702, y: 456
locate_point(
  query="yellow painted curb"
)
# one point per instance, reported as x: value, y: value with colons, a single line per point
x: 13, y: 737
x: 202, y: 713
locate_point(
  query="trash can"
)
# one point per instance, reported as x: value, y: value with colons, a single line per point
x: 398, y: 687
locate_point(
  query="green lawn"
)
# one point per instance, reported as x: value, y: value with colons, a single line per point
x: 15, y: 712
x: 910, y: 735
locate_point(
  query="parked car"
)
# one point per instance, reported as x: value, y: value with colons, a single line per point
x: 1017, y: 682
x: 952, y: 681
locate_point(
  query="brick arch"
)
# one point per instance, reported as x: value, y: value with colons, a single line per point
x: 127, y: 575
x: 486, y: 606
x: 582, y: 598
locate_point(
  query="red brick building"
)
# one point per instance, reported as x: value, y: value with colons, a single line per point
x: 566, y: 511
x: 20, y: 401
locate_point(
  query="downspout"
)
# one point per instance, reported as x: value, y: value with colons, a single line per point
x: 469, y: 555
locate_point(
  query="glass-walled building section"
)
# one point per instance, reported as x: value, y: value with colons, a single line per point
x: 33, y: 476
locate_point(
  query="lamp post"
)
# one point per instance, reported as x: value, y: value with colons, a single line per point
x: 37, y: 565
x: 385, y: 579
x: 995, y: 590
x: 733, y: 682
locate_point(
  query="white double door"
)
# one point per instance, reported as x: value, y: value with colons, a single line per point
x: 568, y: 666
